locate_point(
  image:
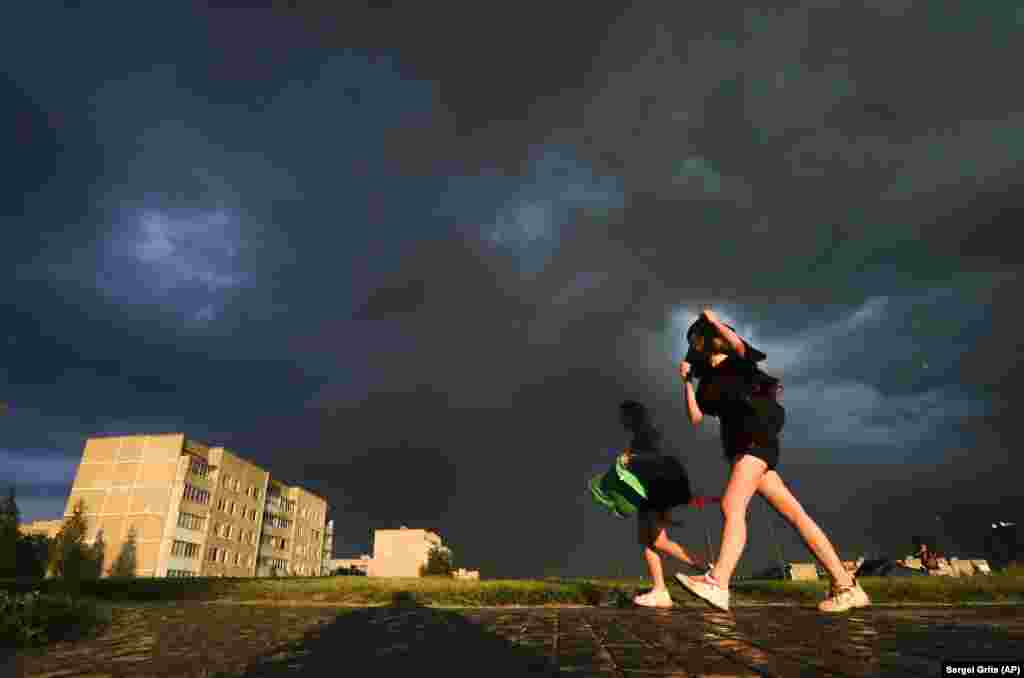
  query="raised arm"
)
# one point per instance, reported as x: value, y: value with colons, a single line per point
x: 692, y: 410
x: 730, y: 337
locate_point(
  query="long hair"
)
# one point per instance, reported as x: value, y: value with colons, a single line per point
x: 699, y: 360
x: 636, y: 416
x: 638, y: 420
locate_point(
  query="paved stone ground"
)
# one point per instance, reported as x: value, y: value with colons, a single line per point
x: 194, y: 639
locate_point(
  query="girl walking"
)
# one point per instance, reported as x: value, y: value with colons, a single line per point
x: 743, y: 398
x: 667, y: 486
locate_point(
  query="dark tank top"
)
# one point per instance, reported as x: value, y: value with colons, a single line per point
x: 745, y: 400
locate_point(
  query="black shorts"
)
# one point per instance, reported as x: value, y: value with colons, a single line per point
x: 770, y: 455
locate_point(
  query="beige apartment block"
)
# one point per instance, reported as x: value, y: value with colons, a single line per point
x: 294, y: 532
x: 194, y: 510
x: 235, y: 515
x: 328, y: 550
x: 401, y: 552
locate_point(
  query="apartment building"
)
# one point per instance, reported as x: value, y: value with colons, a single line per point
x: 401, y: 552
x: 294, y: 531
x: 195, y: 510
x: 328, y: 551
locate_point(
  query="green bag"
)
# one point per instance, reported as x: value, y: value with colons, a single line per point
x: 618, y: 491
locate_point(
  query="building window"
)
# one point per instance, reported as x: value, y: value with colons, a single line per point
x: 284, y: 545
x: 276, y: 521
x: 190, y: 521
x: 279, y: 563
x: 224, y: 553
x: 196, y: 495
x: 237, y: 484
x: 238, y: 558
x: 184, y: 549
x: 199, y: 467
x: 211, y: 553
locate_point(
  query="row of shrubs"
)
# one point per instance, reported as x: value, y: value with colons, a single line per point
x: 34, y: 619
x: 32, y: 614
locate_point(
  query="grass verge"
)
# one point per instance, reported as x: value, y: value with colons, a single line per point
x: 999, y: 588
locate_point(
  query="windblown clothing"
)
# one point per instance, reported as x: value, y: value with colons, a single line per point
x: 745, y: 400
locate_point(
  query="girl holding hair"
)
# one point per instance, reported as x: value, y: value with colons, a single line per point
x: 743, y: 398
x: 667, y: 486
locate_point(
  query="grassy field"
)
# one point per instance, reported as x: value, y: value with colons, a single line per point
x: 999, y: 588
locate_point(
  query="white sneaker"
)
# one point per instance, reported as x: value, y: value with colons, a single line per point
x: 707, y: 589
x: 654, y: 599
x: 842, y: 599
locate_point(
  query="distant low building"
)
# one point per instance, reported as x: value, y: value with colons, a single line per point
x: 944, y: 569
x: 362, y: 563
x: 803, y: 572
x: 46, y: 528
x: 401, y: 552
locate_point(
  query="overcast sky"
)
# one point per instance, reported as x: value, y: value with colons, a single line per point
x: 414, y: 260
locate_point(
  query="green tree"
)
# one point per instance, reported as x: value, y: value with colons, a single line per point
x: 95, y: 556
x: 126, y: 561
x: 33, y: 550
x: 440, y: 562
x: 9, y: 534
x: 68, y: 556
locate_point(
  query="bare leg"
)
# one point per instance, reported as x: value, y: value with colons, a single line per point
x: 744, y: 479
x: 647, y: 524
x: 655, y: 569
x: 778, y: 495
x: 667, y: 546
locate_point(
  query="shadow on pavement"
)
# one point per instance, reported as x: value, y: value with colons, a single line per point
x: 404, y: 639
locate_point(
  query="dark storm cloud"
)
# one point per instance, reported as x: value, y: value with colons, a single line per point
x: 389, y: 301
x: 869, y: 309
x: 419, y: 280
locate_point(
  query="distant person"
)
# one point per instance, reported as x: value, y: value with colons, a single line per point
x: 929, y: 558
x: 667, y: 485
x: 744, y: 399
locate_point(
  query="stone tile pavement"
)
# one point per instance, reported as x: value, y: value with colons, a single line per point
x: 194, y: 639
